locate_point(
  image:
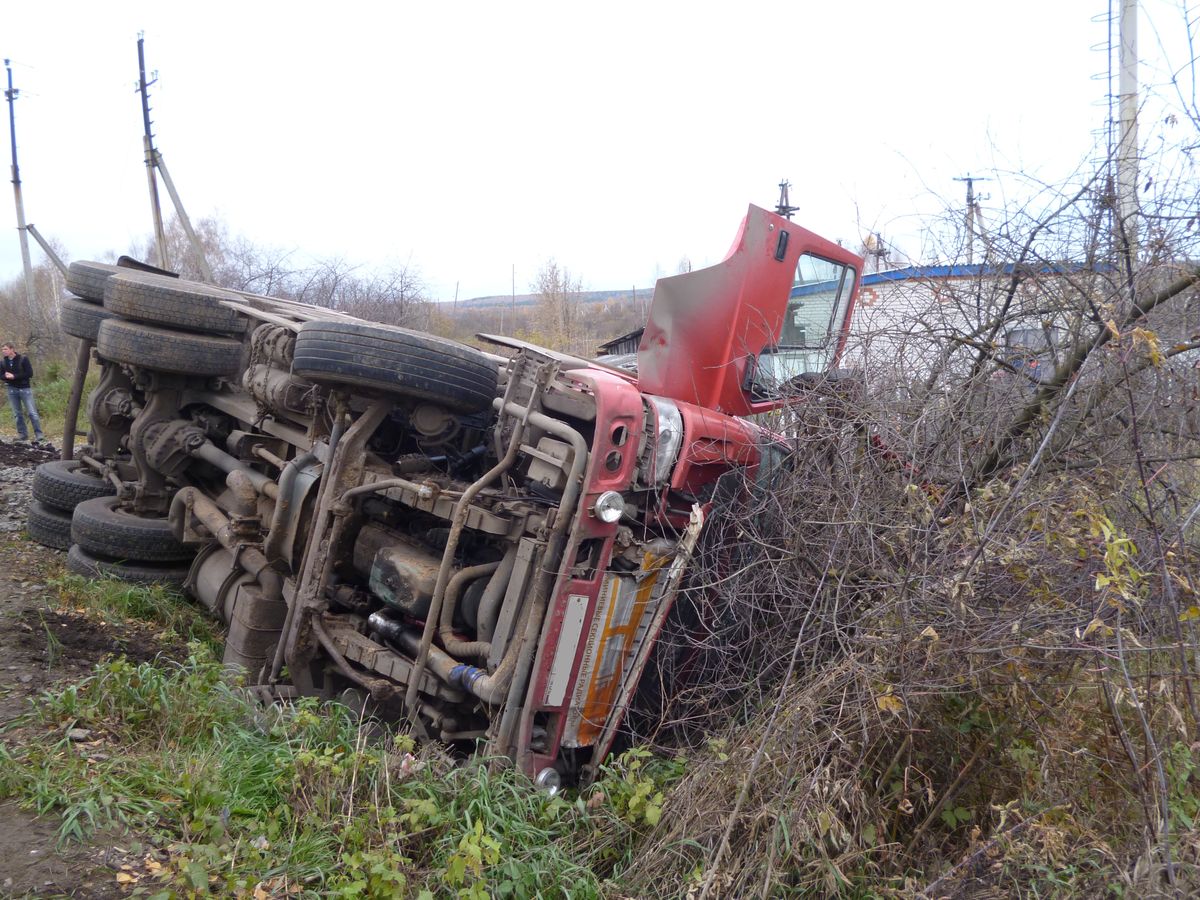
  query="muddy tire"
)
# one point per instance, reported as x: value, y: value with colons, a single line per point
x: 81, y: 318
x: 168, y: 351
x: 80, y: 562
x: 65, y: 483
x: 160, y: 300
x: 49, y: 526
x: 395, y: 361
x: 105, y: 530
x: 87, y: 279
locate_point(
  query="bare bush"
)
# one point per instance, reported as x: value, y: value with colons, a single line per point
x: 393, y: 295
x: 952, y: 645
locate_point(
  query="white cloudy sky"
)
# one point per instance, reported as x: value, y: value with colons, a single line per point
x: 469, y: 138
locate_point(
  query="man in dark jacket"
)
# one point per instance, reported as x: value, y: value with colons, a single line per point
x: 18, y: 373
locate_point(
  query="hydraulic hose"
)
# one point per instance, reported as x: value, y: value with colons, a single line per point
x: 272, y: 546
x: 489, y: 603
x: 453, y: 645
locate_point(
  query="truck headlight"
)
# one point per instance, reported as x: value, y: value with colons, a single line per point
x: 609, y: 507
x: 549, y: 780
x: 668, y: 438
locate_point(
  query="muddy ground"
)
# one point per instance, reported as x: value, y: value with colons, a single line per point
x: 43, y: 642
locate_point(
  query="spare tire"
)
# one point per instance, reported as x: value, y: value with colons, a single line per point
x: 65, y: 483
x: 87, y: 279
x: 80, y: 562
x: 160, y: 300
x: 81, y: 318
x: 395, y: 361
x: 167, y: 350
x: 104, y: 529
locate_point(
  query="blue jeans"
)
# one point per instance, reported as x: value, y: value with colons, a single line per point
x: 19, y: 397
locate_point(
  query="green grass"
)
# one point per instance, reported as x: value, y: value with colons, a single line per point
x: 120, y: 601
x: 307, y: 798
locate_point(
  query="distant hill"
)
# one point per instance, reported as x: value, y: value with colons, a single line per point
x: 507, y: 301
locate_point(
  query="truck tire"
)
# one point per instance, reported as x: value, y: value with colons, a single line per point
x: 80, y: 562
x: 81, y: 318
x: 65, y: 483
x: 160, y: 300
x: 105, y: 530
x: 167, y: 350
x: 48, y: 526
x: 395, y: 361
x: 86, y: 279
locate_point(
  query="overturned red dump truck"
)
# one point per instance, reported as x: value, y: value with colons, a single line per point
x: 486, y: 545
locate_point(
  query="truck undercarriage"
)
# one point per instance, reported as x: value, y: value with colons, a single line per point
x: 486, y: 545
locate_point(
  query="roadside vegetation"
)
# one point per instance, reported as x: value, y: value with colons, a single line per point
x: 232, y: 799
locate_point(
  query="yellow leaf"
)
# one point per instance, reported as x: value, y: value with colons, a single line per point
x: 889, y: 703
x: 930, y: 632
x: 1094, y: 625
x: 1190, y: 614
x: 1112, y: 328
x: 1149, y: 340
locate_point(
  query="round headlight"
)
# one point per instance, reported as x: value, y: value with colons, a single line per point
x: 549, y: 780
x: 610, y: 506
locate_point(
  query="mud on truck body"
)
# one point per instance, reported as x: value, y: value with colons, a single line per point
x: 485, y: 544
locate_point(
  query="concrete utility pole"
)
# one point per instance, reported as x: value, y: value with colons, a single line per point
x: 34, y: 318
x: 155, y: 163
x: 160, y: 234
x: 1127, y: 148
x: 972, y: 211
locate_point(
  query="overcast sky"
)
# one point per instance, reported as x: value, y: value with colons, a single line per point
x: 466, y: 139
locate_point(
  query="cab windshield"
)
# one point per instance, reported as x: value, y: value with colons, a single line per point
x: 812, y: 325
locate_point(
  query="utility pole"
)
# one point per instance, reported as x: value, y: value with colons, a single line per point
x: 877, y: 250
x: 11, y: 96
x: 1127, y: 148
x: 972, y: 211
x: 784, y: 207
x: 155, y: 163
x: 160, y: 235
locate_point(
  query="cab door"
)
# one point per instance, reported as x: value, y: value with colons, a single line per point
x: 730, y: 336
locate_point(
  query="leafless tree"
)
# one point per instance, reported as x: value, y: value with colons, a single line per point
x: 557, y: 293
